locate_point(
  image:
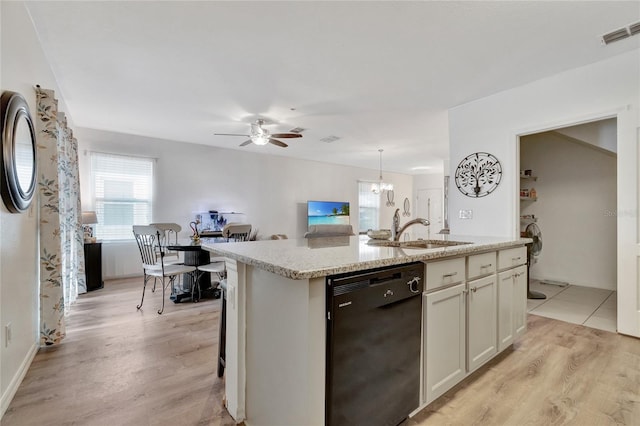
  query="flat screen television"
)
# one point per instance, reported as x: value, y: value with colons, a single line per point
x: 327, y: 213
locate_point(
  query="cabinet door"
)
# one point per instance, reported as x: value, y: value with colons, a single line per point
x: 482, y: 321
x: 506, y: 299
x: 444, y: 342
x: 520, y: 300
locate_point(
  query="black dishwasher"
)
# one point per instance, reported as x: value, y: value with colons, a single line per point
x: 373, y: 345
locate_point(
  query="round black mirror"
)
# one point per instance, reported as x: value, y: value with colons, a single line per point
x: 18, y: 153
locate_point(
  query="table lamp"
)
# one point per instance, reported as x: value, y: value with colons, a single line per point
x: 88, y: 220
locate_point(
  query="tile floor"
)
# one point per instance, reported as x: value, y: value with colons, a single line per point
x: 592, y: 307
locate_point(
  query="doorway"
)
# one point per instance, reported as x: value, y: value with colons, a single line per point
x: 430, y: 207
x: 568, y: 192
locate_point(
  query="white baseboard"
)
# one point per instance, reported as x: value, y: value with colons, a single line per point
x: 17, y: 380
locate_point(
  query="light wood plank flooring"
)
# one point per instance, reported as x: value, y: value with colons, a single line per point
x: 119, y: 366
x: 557, y: 374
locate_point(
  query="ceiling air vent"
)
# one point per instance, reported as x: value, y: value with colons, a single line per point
x: 634, y: 28
x: 297, y: 130
x: 329, y: 139
x: 615, y: 36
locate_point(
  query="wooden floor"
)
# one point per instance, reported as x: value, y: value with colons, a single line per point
x: 119, y: 366
x: 557, y: 374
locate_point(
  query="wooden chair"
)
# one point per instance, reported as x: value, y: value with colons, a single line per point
x: 148, y: 239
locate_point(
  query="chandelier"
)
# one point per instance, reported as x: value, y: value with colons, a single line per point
x: 378, y: 187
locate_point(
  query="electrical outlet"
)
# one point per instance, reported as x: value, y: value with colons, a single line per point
x: 7, y: 334
x: 466, y: 214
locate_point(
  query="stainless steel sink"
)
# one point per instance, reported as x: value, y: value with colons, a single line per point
x: 417, y: 244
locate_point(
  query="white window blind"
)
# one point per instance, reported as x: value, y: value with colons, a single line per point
x: 123, y: 194
x: 369, y: 207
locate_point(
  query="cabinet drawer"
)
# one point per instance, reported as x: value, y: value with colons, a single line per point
x: 444, y: 273
x: 512, y: 257
x: 481, y: 264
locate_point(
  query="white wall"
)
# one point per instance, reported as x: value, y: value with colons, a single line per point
x: 601, y: 133
x: 576, y: 190
x: 495, y: 123
x: 23, y: 65
x: 272, y: 191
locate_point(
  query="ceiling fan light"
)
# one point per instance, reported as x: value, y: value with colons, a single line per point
x: 260, y: 139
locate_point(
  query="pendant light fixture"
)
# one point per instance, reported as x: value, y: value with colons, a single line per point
x: 380, y: 186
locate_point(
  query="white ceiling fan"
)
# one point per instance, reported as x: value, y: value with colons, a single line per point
x: 261, y: 136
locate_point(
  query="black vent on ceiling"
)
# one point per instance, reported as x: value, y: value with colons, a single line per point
x: 329, y: 139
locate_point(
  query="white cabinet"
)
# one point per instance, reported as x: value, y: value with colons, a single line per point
x: 481, y: 321
x: 473, y: 308
x: 444, y: 345
x: 520, y: 300
x: 512, y: 297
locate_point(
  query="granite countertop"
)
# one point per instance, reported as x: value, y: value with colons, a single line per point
x: 318, y: 257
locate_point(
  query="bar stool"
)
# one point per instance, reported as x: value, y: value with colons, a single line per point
x: 218, y: 267
x: 222, y: 335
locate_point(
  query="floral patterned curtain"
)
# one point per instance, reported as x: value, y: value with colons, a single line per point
x: 61, y: 238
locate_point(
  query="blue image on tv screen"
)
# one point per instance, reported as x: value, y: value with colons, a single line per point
x: 328, y: 213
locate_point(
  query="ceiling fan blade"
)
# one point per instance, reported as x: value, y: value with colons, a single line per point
x: 278, y: 143
x: 229, y: 134
x: 286, y: 135
x: 245, y: 143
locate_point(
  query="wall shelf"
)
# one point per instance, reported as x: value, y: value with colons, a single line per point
x: 528, y: 177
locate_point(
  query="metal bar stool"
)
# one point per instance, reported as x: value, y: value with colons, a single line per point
x: 219, y: 269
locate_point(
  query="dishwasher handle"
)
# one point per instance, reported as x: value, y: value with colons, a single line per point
x: 384, y: 278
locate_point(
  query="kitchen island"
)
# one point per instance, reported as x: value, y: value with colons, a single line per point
x: 276, y: 315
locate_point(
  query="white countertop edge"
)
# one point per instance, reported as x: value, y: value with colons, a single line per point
x: 408, y: 256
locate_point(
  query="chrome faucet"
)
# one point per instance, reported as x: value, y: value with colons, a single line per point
x: 397, y: 230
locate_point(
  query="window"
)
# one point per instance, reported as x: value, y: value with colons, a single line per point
x: 369, y: 207
x: 122, y: 192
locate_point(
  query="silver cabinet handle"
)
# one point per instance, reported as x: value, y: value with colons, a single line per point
x: 465, y: 291
x: 488, y: 265
x: 516, y: 258
x: 474, y: 289
x: 449, y: 274
x: 388, y: 293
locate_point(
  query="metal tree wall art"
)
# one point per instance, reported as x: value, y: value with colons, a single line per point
x: 478, y: 174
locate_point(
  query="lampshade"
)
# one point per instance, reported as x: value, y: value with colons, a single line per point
x: 89, y: 218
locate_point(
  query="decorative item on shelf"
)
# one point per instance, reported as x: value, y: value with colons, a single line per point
x: 89, y: 218
x: 407, y: 208
x: 195, y: 238
x: 380, y: 186
x: 533, y: 194
x: 390, y: 202
x: 478, y: 174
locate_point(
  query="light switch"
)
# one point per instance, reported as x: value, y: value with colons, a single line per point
x: 466, y: 214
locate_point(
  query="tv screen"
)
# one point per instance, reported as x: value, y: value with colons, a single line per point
x: 328, y: 213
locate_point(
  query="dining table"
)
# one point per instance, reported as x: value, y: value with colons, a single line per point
x: 194, y: 255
